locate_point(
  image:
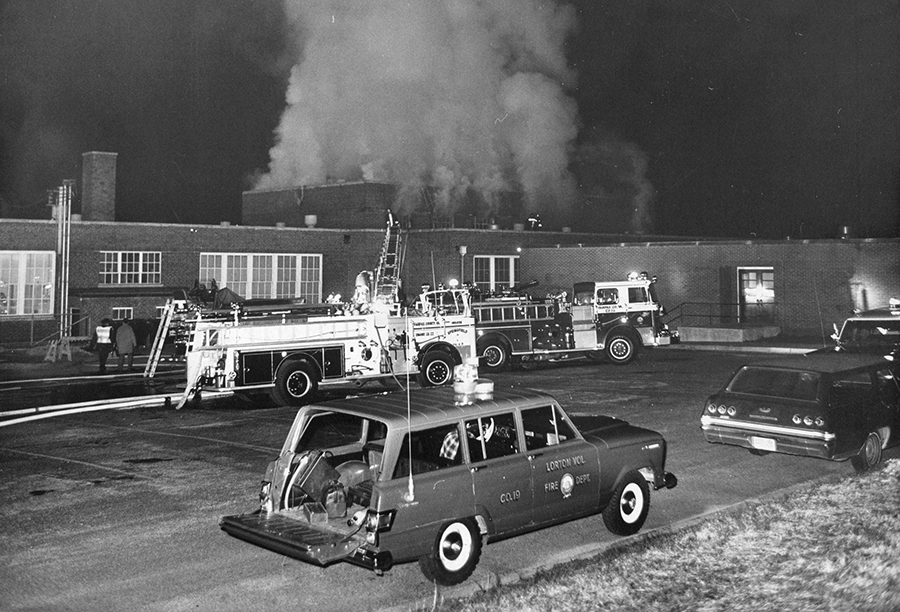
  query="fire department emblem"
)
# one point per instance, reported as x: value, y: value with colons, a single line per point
x: 566, y: 484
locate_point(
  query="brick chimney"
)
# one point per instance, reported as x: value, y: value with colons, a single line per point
x: 98, y: 186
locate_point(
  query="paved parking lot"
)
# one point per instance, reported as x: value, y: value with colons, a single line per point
x: 119, y: 509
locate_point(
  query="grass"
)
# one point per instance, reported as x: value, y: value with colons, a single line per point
x: 831, y: 547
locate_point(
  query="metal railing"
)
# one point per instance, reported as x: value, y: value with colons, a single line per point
x: 714, y: 314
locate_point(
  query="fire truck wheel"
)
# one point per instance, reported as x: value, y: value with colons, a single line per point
x: 627, y: 510
x: 455, y: 555
x: 620, y: 348
x: 494, y: 355
x: 295, y: 384
x: 436, y: 369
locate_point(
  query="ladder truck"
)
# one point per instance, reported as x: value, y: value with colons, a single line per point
x: 292, y: 352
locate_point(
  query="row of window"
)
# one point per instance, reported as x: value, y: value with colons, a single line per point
x: 27, y: 278
x: 485, y: 437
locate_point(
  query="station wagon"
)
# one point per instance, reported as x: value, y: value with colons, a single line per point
x: 431, y: 474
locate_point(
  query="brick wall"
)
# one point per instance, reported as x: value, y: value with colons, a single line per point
x: 817, y: 282
x: 98, y: 186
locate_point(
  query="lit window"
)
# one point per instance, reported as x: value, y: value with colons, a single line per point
x: 27, y: 281
x: 264, y: 275
x: 495, y: 273
x: 120, y: 313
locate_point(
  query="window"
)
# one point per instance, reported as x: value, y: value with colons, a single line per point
x: 264, y: 275
x: 130, y: 268
x: 120, y: 313
x: 545, y: 426
x: 607, y: 296
x: 881, y: 333
x: 27, y: 282
x: 756, y: 287
x: 495, y: 273
x: 432, y: 449
x: 491, y: 437
x: 772, y: 382
x: 637, y: 295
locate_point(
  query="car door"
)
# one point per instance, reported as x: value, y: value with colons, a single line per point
x: 565, y: 472
x: 851, y: 400
x: 887, y: 412
x: 501, y: 473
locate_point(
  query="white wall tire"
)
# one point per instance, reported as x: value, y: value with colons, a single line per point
x: 627, y: 510
x: 456, y: 552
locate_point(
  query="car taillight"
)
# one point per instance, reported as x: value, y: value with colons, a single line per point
x: 732, y: 411
x: 265, y: 497
x: 808, y: 420
x: 379, y: 521
x: 711, y: 408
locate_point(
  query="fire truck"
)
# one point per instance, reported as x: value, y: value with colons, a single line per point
x: 291, y: 350
x: 609, y: 321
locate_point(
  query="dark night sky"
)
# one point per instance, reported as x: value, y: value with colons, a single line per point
x: 766, y: 118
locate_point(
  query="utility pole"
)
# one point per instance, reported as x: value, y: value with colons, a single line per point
x: 63, y: 208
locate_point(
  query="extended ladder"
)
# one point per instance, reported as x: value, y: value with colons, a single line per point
x: 161, y: 333
x: 387, y: 277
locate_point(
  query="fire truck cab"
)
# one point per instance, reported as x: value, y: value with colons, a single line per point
x: 608, y: 321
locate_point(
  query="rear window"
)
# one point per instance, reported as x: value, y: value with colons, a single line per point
x: 771, y: 382
x: 328, y: 430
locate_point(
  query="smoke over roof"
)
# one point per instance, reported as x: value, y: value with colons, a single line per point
x: 456, y: 95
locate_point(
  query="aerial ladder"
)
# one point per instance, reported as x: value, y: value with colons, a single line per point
x: 387, y: 276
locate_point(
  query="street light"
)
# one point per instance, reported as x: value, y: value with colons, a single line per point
x: 462, y: 264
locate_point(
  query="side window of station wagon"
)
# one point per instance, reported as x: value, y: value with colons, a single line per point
x: 544, y: 427
x: 492, y: 436
x: 432, y: 449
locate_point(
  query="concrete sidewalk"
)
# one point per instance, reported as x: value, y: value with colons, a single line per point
x: 760, y: 346
x: 29, y: 364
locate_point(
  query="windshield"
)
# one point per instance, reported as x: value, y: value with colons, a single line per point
x: 771, y: 382
x: 875, y: 333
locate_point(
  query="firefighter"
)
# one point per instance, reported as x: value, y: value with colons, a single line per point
x: 423, y: 302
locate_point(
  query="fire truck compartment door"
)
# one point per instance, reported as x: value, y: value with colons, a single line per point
x: 583, y: 327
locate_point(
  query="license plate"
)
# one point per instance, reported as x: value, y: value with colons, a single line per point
x: 766, y: 444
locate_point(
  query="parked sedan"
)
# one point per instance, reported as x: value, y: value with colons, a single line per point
x: 835, y: 406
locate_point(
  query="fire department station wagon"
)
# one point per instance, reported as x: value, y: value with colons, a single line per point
x: 385, y: 479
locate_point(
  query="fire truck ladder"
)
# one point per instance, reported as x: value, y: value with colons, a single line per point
x: 387, y: 277
x: 161, y: 332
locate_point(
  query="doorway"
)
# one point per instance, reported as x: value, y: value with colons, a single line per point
x: 756, y: 295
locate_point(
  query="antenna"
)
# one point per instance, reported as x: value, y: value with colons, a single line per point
x: 410, y: 495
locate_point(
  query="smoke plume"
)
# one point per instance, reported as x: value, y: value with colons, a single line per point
x: 453, y: 95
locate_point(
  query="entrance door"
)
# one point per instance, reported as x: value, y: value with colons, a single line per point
x: 757, y: 295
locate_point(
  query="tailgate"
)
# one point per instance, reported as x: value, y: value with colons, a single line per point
x: 296, y: 538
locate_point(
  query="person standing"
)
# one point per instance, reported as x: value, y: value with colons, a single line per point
x: 103, y: 342
x: 125, y: 344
